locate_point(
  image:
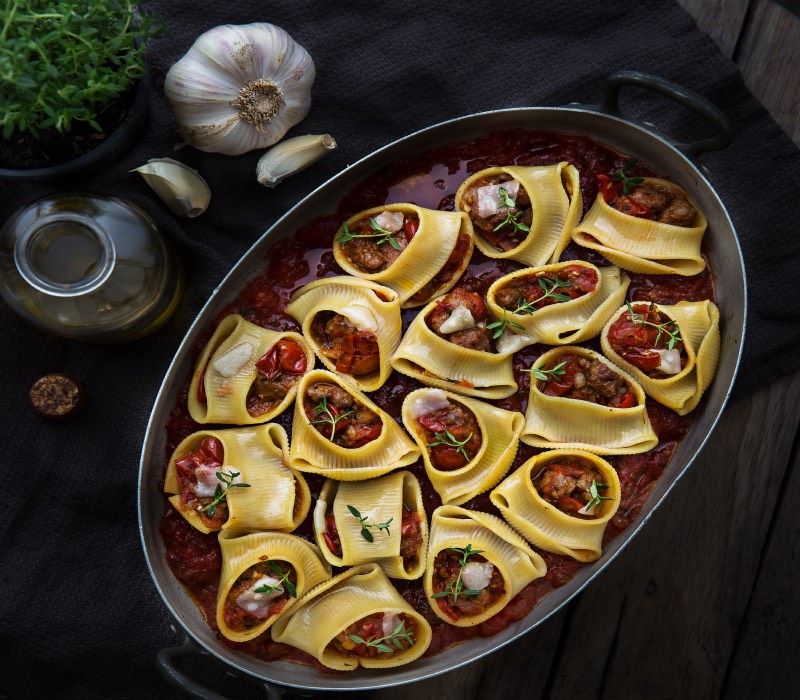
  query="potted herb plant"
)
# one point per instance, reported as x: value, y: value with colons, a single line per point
x: 73, y: 85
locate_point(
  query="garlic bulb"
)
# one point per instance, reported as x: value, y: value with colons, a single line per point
x: 180, y: 187
x: 240, y: 87
x: 292, y: 156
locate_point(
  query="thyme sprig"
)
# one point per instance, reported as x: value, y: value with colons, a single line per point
x: 447, y: 438
x: 549, y: 287
x: 623, y: 175
x: 501, y: 326
x: 381, y: 234
x: 668, y: 328
x: 455, y: 588
x: 596, y: 499
x: 396, y: 638
x: 221, y: 494
x: 512, y: 219
x: 365, y: 533
x: 322, y: 409
x: 284, y: 581
x: 546, y: 375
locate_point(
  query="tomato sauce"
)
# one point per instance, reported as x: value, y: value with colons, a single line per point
x: 431, y: 180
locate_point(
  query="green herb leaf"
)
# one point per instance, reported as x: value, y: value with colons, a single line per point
x: 546, y: 375
x: 512, y: 219
x: 456, y: 588
x: 328, y: 416
x: 500, y: 326
x: 365, y: 533
x: 623, y: 175
x: 447, y: 438
x: 596, y: 499
x: 398, y: 635
x: 381, y: 235
x: 221, y: 494
x: 669, y: 329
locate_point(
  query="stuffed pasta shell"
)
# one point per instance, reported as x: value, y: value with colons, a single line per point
x: 654, y: 228
x: 338, y: 432
x: 420, y: 253
x: 247, y: 374
x: 467, y: 445
x: 378, y: 520
x: 355, y: 619
x: 353, y: 325
x: 523, y: 213
x: 558, y: 304
x: 560, y: 501
x: 578, y: 399
x: 672, y: 351
x: 476, y: 565
x: 263, y: 574
x: 450, y: 344
x: 237, y: 478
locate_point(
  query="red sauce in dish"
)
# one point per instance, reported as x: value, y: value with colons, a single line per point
x: 431, y: 180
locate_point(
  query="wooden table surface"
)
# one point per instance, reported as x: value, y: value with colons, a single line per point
x: 702, y: 603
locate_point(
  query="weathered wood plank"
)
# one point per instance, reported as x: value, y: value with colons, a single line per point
x: 721, y: 19
x: 663, y: 620
x: 769, y: 59
x: 770, y: 632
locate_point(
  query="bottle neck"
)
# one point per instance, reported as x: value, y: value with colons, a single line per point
x: 65, y: 255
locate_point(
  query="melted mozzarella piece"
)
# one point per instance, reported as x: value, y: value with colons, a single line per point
x: 477, y: 575
x: 490, y: 201
x: 233, y: 360
x: 670, y: 361
x: 431, y: 401
x: 459, y: 320
x: 390, y: 622
x: 259, y: 604
x: 360, y: 315
x: 390, y: 220
x: 511, y: 342
x: 206, y: 481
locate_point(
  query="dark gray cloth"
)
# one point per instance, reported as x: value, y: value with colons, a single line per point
x: 79, y: 615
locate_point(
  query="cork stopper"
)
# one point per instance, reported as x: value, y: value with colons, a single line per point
x: 58, y: 396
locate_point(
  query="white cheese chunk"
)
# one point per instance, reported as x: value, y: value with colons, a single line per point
x: 490, y: 201
x: 430, y: 401
x: 477, y: 575
x: 670, y: 361
x: 390, y: 220
x: 390, y: 622
x: 459, y: 320
x: 233, y: 360
x: 206, y: 481
x: 360, y: 315
x: 511, y: 342
x: 259, y: 604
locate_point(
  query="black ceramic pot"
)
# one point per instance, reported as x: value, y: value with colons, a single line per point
x: 103, y: 155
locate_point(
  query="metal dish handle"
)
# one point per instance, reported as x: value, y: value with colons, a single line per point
x: 683, y: 96
x: 192, y: 689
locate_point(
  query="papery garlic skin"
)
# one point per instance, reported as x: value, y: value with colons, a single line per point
x: 240, y: 87
x: 292, y: 156
x: 180, y: 187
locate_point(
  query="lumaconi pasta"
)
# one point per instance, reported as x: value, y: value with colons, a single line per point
x: 695, y: 327
x: 340, y: 411
x: 555, y: 205
x: 263, y: 575
x: 379, y: 520
x: 352, y: 324
x: 642, y: 245
x: 213, y: 462
x: 578, y: 493
x: 609, y: 418
x: 424, y: 355
x: 360, y: 603
x: 557, y: 311
x: 487, y: 564
x: 442, y: 417
x: 431, y: 249
x: 247, y: 374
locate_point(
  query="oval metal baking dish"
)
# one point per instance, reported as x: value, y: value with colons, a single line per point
x: 602, y: 124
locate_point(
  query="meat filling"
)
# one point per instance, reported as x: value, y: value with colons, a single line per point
x: 197, y: 480
x: 336, y: 415
x: 661, y: 203
x: 352, y: 350
x: 452, y: 435
x: 585, y: 379
x: 378, y: 635
x: 470, y: 329
x: 527, y: 293
x: 448, y: 577
x: 567, y: 484
x: 259, y: 593
x: 373, y: 247
x: 278, y: 371
x: 504, y: 226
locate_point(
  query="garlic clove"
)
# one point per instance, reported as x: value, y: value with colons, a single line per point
x: 180, y: 187
x: 292, y: 156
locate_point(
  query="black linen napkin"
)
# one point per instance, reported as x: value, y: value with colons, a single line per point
x: 79, y: 616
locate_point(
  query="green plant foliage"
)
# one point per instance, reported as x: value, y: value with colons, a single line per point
x: 64, y: 60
